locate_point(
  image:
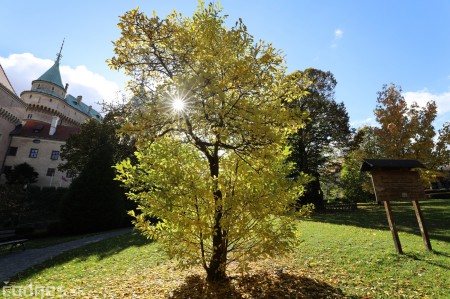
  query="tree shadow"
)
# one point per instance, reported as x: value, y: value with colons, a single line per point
x: 428, y: 261
x: 262, y: 284
x: 100, y: 250
x: 436, y: 217
x: 109, y: 247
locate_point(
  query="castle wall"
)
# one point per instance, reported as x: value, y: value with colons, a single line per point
x: 11, y: 112
x: 41, y: 160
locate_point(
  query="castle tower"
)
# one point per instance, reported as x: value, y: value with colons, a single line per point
x: 50, y: 115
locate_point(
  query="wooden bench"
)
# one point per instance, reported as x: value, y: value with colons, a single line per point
x: 9, y: 237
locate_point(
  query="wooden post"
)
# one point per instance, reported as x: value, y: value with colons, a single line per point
x: 398, y: 246
x: 423, y: 229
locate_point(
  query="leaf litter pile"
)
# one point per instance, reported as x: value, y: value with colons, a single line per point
x: 167, y: 282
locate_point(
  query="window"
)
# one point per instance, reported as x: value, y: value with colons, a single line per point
x: 30, y: 116
x: 33, y: 153
x: 12, y: 150
x: 51, y: 172
x: 55, y: 155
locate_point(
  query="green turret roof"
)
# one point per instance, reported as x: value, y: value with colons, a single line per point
x: 53, y: 75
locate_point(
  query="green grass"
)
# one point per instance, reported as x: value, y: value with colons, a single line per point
x: 343, y: 255
x: 357, y: 251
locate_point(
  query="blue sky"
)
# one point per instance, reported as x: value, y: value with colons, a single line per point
x: 365, y: 44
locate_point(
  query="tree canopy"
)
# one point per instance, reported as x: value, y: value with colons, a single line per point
x: 326, y: 131
x: 210, y: 132
x: 95, y: 200
x: 22, y: 174
x: 406, y: 131
x: 79, y: 148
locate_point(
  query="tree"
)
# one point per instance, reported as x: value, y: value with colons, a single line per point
x: 326, y: 131
x: 356, y: 185
x: 80, y: 148
x: 407, y: 132
x: 443, y: 144
x: 14, y: 194
x: 94, y: 200
x: 209, y: 132
x: 22, y: 174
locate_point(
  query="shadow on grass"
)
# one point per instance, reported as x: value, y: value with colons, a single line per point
x: 428, y: 261
x: 108, y: 247
x: 100, y: 250
x: 260, y: 285
x: 436, y: 215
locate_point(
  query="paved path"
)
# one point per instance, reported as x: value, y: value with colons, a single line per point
x: 17, y: 261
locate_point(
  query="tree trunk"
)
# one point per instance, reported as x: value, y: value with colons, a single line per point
x: 217, y: 266
x: 313, y: 194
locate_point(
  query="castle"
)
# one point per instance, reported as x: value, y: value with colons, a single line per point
x: 34, y: 125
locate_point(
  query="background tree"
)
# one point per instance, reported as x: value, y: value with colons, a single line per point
x: 356, y: 185
x: 22, y: 174
x: 80, y: 147
x: 209, y: 131
x: 14, y: 197
x: 443, y: 145
x: 325, y: 133
x: 404, y: 132
x: 94, y: 200
x: 407, y: 132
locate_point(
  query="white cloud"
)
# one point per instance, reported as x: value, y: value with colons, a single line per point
x: 421, y: 97
x: 370, y: 121
x: 338, y: 34
x: 442, y: 101
x: 21, y: 69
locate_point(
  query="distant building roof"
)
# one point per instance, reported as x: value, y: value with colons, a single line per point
x: 371, y: 164
x: 72, y: 101
x: 38, y: 129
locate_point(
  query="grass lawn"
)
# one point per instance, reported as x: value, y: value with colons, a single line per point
x: 343, y: 255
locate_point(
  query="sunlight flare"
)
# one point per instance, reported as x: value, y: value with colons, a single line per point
x: 178, y: 105
x: 178, y: 102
